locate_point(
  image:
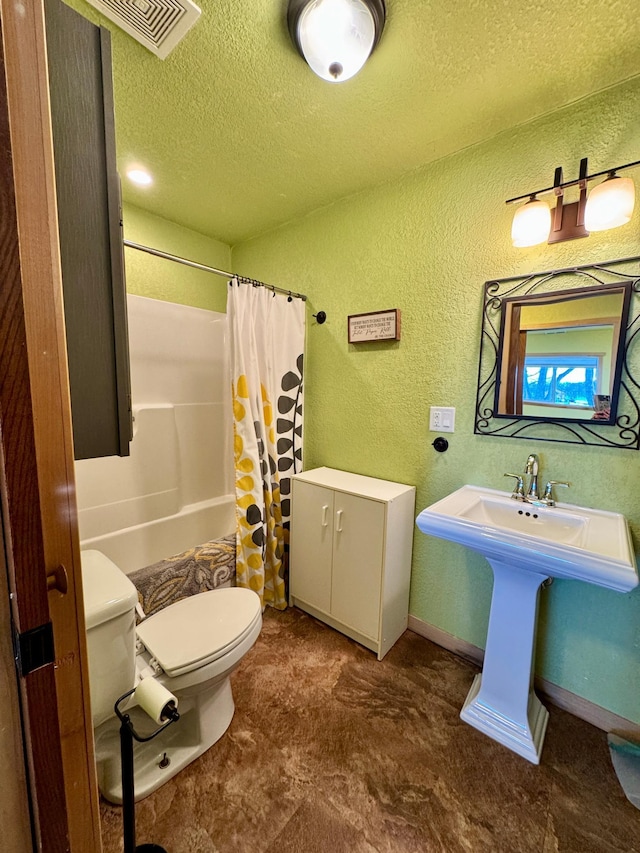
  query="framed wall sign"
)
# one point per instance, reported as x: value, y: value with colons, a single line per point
x: 374, y: 326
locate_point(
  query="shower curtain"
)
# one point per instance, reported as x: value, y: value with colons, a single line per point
x: 267, y: 352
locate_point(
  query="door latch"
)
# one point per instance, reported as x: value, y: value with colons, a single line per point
x: 34, y: 648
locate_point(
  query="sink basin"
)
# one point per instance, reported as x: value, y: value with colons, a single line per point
x: 561, y: 541
x: 524, y: 545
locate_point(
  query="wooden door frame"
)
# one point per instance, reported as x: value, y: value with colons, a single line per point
x: 39, y: 506
x: 15, y: 812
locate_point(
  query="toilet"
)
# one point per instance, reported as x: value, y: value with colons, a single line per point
x: 191, y: 647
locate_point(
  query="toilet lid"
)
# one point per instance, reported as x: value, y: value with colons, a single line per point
x: 199, y: 629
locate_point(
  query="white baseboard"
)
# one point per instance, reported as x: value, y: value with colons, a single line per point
x: 576, y: 705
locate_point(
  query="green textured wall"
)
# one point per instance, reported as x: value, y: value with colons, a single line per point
x: 158, y: 278
x: 425, y: 244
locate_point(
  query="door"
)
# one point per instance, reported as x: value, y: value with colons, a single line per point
x: 312, y: 545
x: 357, y: 562
x: 22, y: 529
x: 36, y: 455
x: 14, y: 802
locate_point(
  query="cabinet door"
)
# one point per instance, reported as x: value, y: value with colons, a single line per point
x: 311, y: 544
x: 357, y: 562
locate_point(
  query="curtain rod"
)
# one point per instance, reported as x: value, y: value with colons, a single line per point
x: 213, y: 270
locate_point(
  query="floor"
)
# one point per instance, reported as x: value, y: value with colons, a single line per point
x: 332, y: 751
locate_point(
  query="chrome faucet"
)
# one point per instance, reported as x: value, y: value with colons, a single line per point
x: 531, y: 469
x: 531, y: 494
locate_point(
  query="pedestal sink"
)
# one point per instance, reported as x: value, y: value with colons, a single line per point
x: 525, y: 545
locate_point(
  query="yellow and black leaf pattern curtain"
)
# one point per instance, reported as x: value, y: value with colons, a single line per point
x: 267, y: 354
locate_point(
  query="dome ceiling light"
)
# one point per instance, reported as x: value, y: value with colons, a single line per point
x: 336, y: 37
x: 609, y: 205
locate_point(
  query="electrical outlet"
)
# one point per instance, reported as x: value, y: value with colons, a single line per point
x: 442, y: 418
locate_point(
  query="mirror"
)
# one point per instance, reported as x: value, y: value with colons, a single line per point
x: 555, y: 357
x: 561, y: 354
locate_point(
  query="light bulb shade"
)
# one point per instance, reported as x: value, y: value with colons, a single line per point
x: 531, y: 224
x: 336, y: 37
x: 610, y: 204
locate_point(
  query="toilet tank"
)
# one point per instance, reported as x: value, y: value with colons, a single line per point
x: 109, y: 606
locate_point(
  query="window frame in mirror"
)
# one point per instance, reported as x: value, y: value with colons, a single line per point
x: 622, y: 429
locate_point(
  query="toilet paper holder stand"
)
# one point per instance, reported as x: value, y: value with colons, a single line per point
x: 127, y: 735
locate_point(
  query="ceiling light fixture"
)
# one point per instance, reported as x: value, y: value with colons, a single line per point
x: 609, y: 205
x: 336, y: 37
x: 140, y: 177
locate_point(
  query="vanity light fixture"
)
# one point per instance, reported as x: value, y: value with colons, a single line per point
x: 336, y: 37
x: 609, y: 205
x: 531, y: 223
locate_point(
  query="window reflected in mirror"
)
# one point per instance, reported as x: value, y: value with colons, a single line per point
x: 560, y: 352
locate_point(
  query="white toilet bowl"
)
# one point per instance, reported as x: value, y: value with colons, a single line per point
x: 191, y: 647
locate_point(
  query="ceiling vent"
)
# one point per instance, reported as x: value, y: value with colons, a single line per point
x: 157, y: 24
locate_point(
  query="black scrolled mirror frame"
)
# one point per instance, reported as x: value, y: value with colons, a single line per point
x: 624, y: 431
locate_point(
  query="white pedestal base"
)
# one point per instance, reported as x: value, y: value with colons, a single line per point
x: 501, y: 702
x: 525, y: 740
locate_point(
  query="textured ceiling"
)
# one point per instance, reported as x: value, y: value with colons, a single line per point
x: 241, y: 136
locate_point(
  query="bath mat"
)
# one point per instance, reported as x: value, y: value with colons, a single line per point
x: 625, y: 756
x: 199, y: 569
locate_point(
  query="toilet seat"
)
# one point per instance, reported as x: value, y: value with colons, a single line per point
x: 200, y: 629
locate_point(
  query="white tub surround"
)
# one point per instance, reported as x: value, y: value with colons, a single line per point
x: 175, y: 490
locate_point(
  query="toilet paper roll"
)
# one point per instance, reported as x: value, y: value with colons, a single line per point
x: 153, y: 698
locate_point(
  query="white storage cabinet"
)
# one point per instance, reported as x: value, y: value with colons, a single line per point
x: 350, y: 553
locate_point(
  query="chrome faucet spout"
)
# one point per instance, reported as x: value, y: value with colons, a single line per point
x: 531, y: 469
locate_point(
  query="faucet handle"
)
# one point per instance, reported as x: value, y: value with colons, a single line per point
x: 548, y: 491
x: 518, y: 489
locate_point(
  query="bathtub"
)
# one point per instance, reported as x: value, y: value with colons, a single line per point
x: 173, y: 492
x: 140, y: 545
